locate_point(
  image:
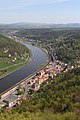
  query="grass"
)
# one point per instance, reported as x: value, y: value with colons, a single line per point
x: 6, y: 69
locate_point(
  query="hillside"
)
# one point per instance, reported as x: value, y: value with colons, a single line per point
x: 58, y: 99
x: 11, y: 53
x: 65, y: 41
x: 8, y: 46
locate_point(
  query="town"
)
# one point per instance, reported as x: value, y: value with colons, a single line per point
x: 17, y: 94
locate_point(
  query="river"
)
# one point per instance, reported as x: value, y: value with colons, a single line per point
x: 38, y: 59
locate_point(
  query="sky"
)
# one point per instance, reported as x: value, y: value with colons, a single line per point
x: 40, y: 11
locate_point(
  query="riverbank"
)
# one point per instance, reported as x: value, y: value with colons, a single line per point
x: 15, y: 66
x: 38, y: 59
x: 13, y: 56
x: 42, y: 47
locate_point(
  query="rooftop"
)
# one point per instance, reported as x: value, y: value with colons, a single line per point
x: 11, y: 98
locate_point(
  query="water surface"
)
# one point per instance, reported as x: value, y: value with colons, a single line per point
x: 38, y: 59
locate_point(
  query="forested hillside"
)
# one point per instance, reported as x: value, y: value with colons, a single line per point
x: 11, y: 53
x: 58, y: 99
x: 65, y: 41
x: 8, y: 46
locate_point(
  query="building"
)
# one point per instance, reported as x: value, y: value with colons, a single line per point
x: 35, y: 87
x: 11, y: 100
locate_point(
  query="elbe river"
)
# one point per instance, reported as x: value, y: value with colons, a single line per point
x: 38, y: 59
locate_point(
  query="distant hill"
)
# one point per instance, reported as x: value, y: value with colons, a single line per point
x: 38, y: 25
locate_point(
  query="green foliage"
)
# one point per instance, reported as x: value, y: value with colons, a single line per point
x: 21, y: 91
x: 60, y: 95
x: 60, y: 98
x: 65, y: 41
x: 69, y: 50
x: 57, y: 100
x: 46, y: 115
x: 12, y: 55
x: 11, y: 47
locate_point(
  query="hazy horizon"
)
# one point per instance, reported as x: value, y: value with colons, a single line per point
x: 36, y: 23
